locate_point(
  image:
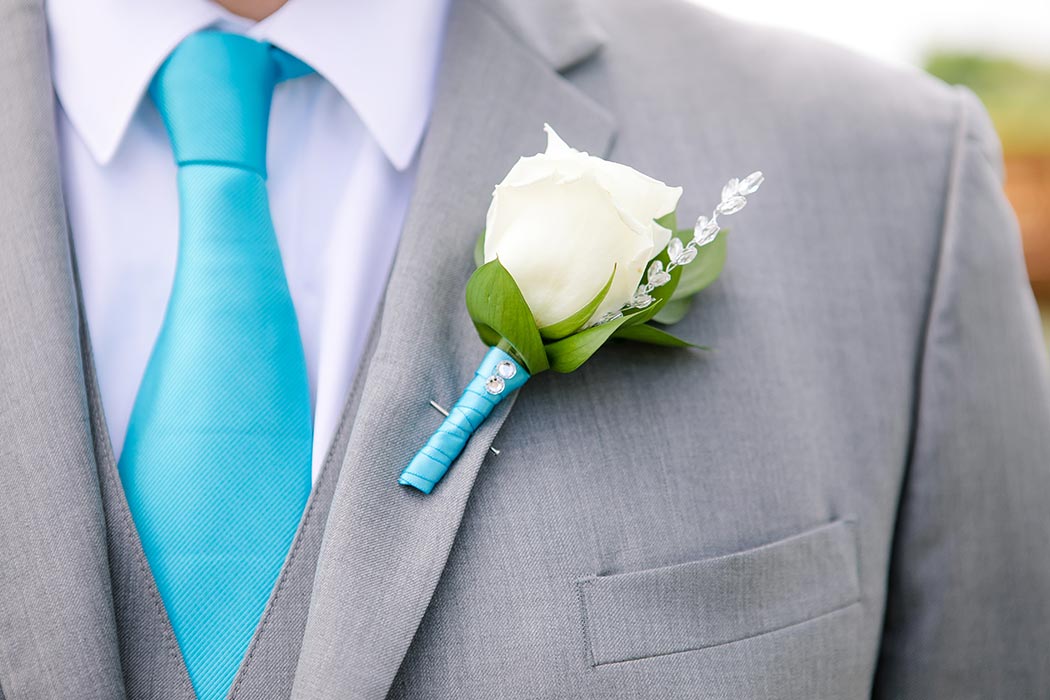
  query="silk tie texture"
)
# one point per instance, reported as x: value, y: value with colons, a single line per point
x: 216, y: 463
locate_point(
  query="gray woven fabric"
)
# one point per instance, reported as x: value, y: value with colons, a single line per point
x: 846, y: 498
x: 268, y: 670
x: 57, y: 629
x: 149, y: 653
x: 152, y: 664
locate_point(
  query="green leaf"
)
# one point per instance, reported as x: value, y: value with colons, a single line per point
x: 651, y: 335
x: 568, y: 354
x: 502, y: 317
x: 669, y: 221
x: 673, y: 311
x: 705, y: 269
x: 479, y: 250
x: 557, y: 331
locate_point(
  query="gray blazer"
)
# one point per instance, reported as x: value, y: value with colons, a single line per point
x: 847, y: 497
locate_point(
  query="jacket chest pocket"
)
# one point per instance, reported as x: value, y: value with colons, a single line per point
x: 716, y: 601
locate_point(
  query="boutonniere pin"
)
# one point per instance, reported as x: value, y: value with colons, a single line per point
x: 576, y: 251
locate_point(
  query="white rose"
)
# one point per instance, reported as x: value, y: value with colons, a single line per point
x: 561, y: 220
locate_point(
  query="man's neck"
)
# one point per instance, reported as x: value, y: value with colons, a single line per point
x: 252, y: 9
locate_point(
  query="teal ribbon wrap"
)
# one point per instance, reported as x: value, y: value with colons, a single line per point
x: 496, y: 377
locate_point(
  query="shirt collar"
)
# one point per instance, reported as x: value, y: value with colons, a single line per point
x: 382, y: 57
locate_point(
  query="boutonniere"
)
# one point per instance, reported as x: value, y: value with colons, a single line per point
x: 576, y: 251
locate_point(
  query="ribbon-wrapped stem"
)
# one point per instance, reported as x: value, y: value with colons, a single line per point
x: 497, y: 376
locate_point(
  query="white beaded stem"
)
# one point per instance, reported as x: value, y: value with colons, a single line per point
x: 734, y: 198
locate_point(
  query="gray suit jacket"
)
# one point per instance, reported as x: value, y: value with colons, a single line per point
x: 847, y: 497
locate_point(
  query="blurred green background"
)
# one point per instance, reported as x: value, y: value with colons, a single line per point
x: 1016, y: 94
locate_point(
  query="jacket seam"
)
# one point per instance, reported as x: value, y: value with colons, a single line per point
x: 107, y: 469
x: 938, y: 290
x: 300, y: 537
x: 922, y: 370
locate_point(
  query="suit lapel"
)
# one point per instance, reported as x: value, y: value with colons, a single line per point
x: 385, y: 546
x: 57, y: 629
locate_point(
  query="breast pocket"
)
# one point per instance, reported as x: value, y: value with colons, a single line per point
x: 724, y: 599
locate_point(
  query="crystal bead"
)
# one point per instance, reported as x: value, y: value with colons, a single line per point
x: 732, y: 205
x: 731, y: 189
x: 495, y: 385
x: 679, y: 254
x: 751, y: 183
x: 657, y: 277
x: 506, y: 369
x: 641, y: 299
x: 687, y: 256
x: 705, y: 231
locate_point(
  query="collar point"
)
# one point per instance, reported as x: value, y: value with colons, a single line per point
x: 103, y: 153
x: 402, y: 161
x: 100, y: 134
x: 102, y: 144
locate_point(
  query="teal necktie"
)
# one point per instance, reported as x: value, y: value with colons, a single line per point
x: 216, y: 463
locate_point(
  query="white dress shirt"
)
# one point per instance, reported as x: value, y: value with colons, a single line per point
x: 341, y: 152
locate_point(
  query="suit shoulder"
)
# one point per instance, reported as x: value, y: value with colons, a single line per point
x: 719, y: 66
x: 859, y: 156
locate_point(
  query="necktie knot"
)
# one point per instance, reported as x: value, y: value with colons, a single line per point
x: 214, y: 93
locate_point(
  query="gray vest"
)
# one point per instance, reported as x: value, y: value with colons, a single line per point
x: 150, y: 659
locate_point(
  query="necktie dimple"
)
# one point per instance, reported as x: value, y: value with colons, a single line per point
x: 216, y: 462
